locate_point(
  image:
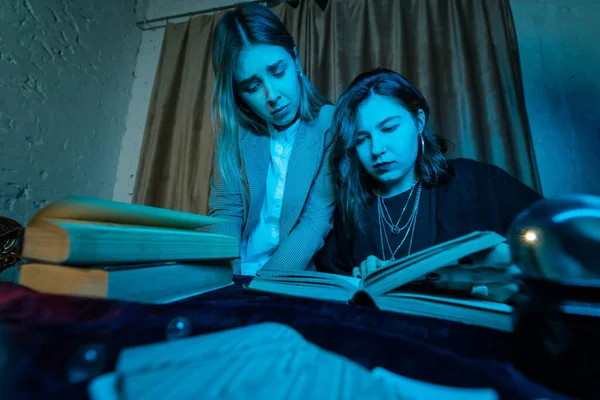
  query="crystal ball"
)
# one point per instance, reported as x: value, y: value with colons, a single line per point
x: 558, y: 239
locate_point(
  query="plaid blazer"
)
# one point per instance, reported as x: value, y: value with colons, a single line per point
x: 308, y: 199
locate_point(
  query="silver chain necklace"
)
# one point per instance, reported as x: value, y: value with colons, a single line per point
x: 410, y: 224
x: 395, y: 228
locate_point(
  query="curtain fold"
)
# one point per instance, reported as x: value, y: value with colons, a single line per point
x: 462, y: 54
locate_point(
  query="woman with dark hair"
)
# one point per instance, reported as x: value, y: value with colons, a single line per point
x: 271, y: 178
x: 396, y: 191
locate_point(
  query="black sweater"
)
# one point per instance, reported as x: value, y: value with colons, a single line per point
x: 476, y: 197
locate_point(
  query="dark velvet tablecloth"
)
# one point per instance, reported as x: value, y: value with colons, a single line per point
x: 42, y: 335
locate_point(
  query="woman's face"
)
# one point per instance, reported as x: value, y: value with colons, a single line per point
x: 267, y: 81
x: 388, y: 142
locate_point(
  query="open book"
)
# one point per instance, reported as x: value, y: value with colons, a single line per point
x: 388, y: 289
x: 262, y: 361
x: 82, y: 230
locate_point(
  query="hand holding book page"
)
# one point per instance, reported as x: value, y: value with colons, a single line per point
x: 389, y: 288
x: 487, y: 274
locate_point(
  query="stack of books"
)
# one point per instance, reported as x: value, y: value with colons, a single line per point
x: 98, y: 248
x: 390, y: 288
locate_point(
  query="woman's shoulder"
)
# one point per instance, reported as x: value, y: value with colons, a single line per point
x: 465, y: 173
x: 326, y: 114
x: 464, y: 163
x: 468, y: 171
x: 322, y: 123
x: 470, y: 167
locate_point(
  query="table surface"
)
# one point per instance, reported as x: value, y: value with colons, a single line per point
x: 44, y: 336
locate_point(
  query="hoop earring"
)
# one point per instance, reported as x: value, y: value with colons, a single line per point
x: 422, y: 146
x: 244, y: 109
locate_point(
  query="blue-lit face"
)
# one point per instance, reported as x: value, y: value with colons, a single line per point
x: 267, y: 81
x: 388, y: 143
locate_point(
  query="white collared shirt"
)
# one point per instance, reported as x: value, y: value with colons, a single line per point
x: 264, y: 239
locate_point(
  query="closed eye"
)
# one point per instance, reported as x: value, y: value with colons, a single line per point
x: 253, y: 87
x: 360, y: 140
x: 388, y: 129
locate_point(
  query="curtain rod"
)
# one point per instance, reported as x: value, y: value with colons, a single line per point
x: 148, y: 24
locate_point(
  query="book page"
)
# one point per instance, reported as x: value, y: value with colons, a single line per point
x: 414, y: 258
x: 474, y: 312
x: 415, y: 266
x: 99, y: 210
x: 316, y: 285
x: 455, y: 300
x: 311, y: 276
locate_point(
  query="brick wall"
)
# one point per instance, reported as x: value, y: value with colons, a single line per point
x: 66, y: 70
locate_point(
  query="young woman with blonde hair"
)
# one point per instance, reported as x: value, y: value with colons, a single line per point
x: 271, y: 178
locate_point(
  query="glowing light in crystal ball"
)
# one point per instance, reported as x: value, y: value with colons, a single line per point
x: 559, y: 238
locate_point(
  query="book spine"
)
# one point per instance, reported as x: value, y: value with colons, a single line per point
x: 363, y: 298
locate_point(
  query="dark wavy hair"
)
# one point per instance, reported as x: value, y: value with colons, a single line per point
x: 353, y: 184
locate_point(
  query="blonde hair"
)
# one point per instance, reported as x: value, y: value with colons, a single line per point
x: 247, y: 24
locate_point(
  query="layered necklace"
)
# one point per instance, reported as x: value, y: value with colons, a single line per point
x: 408, y: 229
